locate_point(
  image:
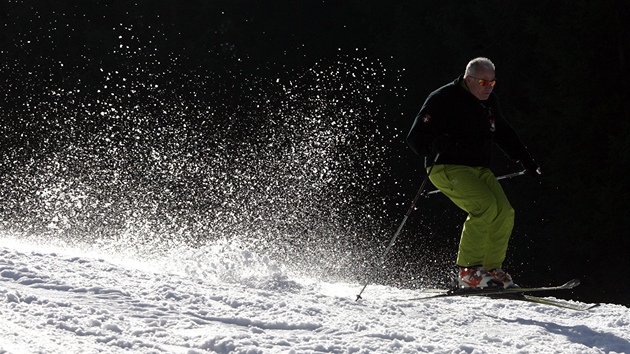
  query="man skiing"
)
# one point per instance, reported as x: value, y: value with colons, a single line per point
x: 460, y: 121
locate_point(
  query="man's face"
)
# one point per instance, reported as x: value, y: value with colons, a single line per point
x: 481, y: 83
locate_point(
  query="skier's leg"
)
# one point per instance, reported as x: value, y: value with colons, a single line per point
x: 500, y: 228
x: 464, y: 186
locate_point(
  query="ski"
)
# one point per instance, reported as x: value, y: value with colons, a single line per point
x: 499, y: 291
x: 546, y: 301
x: 518, y: 294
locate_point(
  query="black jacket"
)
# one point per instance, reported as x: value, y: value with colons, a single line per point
x: 472, y: 124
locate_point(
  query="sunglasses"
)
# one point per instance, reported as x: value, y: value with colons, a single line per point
x: 485, y: 83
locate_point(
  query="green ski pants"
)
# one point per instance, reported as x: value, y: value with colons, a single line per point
x: 487, y: 229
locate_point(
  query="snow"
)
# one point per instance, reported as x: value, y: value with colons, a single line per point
x: 223, y: 298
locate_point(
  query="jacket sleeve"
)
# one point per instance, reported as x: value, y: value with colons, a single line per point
x: 426, y: 127
x: 507, y: 139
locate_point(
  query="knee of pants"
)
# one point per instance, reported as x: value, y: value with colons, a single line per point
x: 507, y: 212
x: 502, y: 214
x: 491, y: 211
x: 486, y: 208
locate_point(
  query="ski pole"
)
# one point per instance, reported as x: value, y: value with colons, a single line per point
x: 393, y: 240
x: 510, y: 175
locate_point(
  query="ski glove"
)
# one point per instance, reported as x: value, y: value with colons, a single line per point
x: 531, y: 167
x: 441, y: 144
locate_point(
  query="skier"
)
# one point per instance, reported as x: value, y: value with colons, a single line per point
x: 459, y: 121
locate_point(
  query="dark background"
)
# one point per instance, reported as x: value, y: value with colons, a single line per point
x: 563, y: 81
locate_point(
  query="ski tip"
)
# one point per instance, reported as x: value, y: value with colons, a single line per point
x: 571, y: 284
x: 593, y: 306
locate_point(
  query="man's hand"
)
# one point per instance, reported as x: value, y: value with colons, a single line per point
x: 531, y: 168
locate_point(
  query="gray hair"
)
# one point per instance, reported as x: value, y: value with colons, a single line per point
x: 472, y: 66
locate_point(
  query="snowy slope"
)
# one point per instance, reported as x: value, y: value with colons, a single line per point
x: 225, y: 299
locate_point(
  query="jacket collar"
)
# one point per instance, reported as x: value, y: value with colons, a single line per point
x: 460, y: 80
